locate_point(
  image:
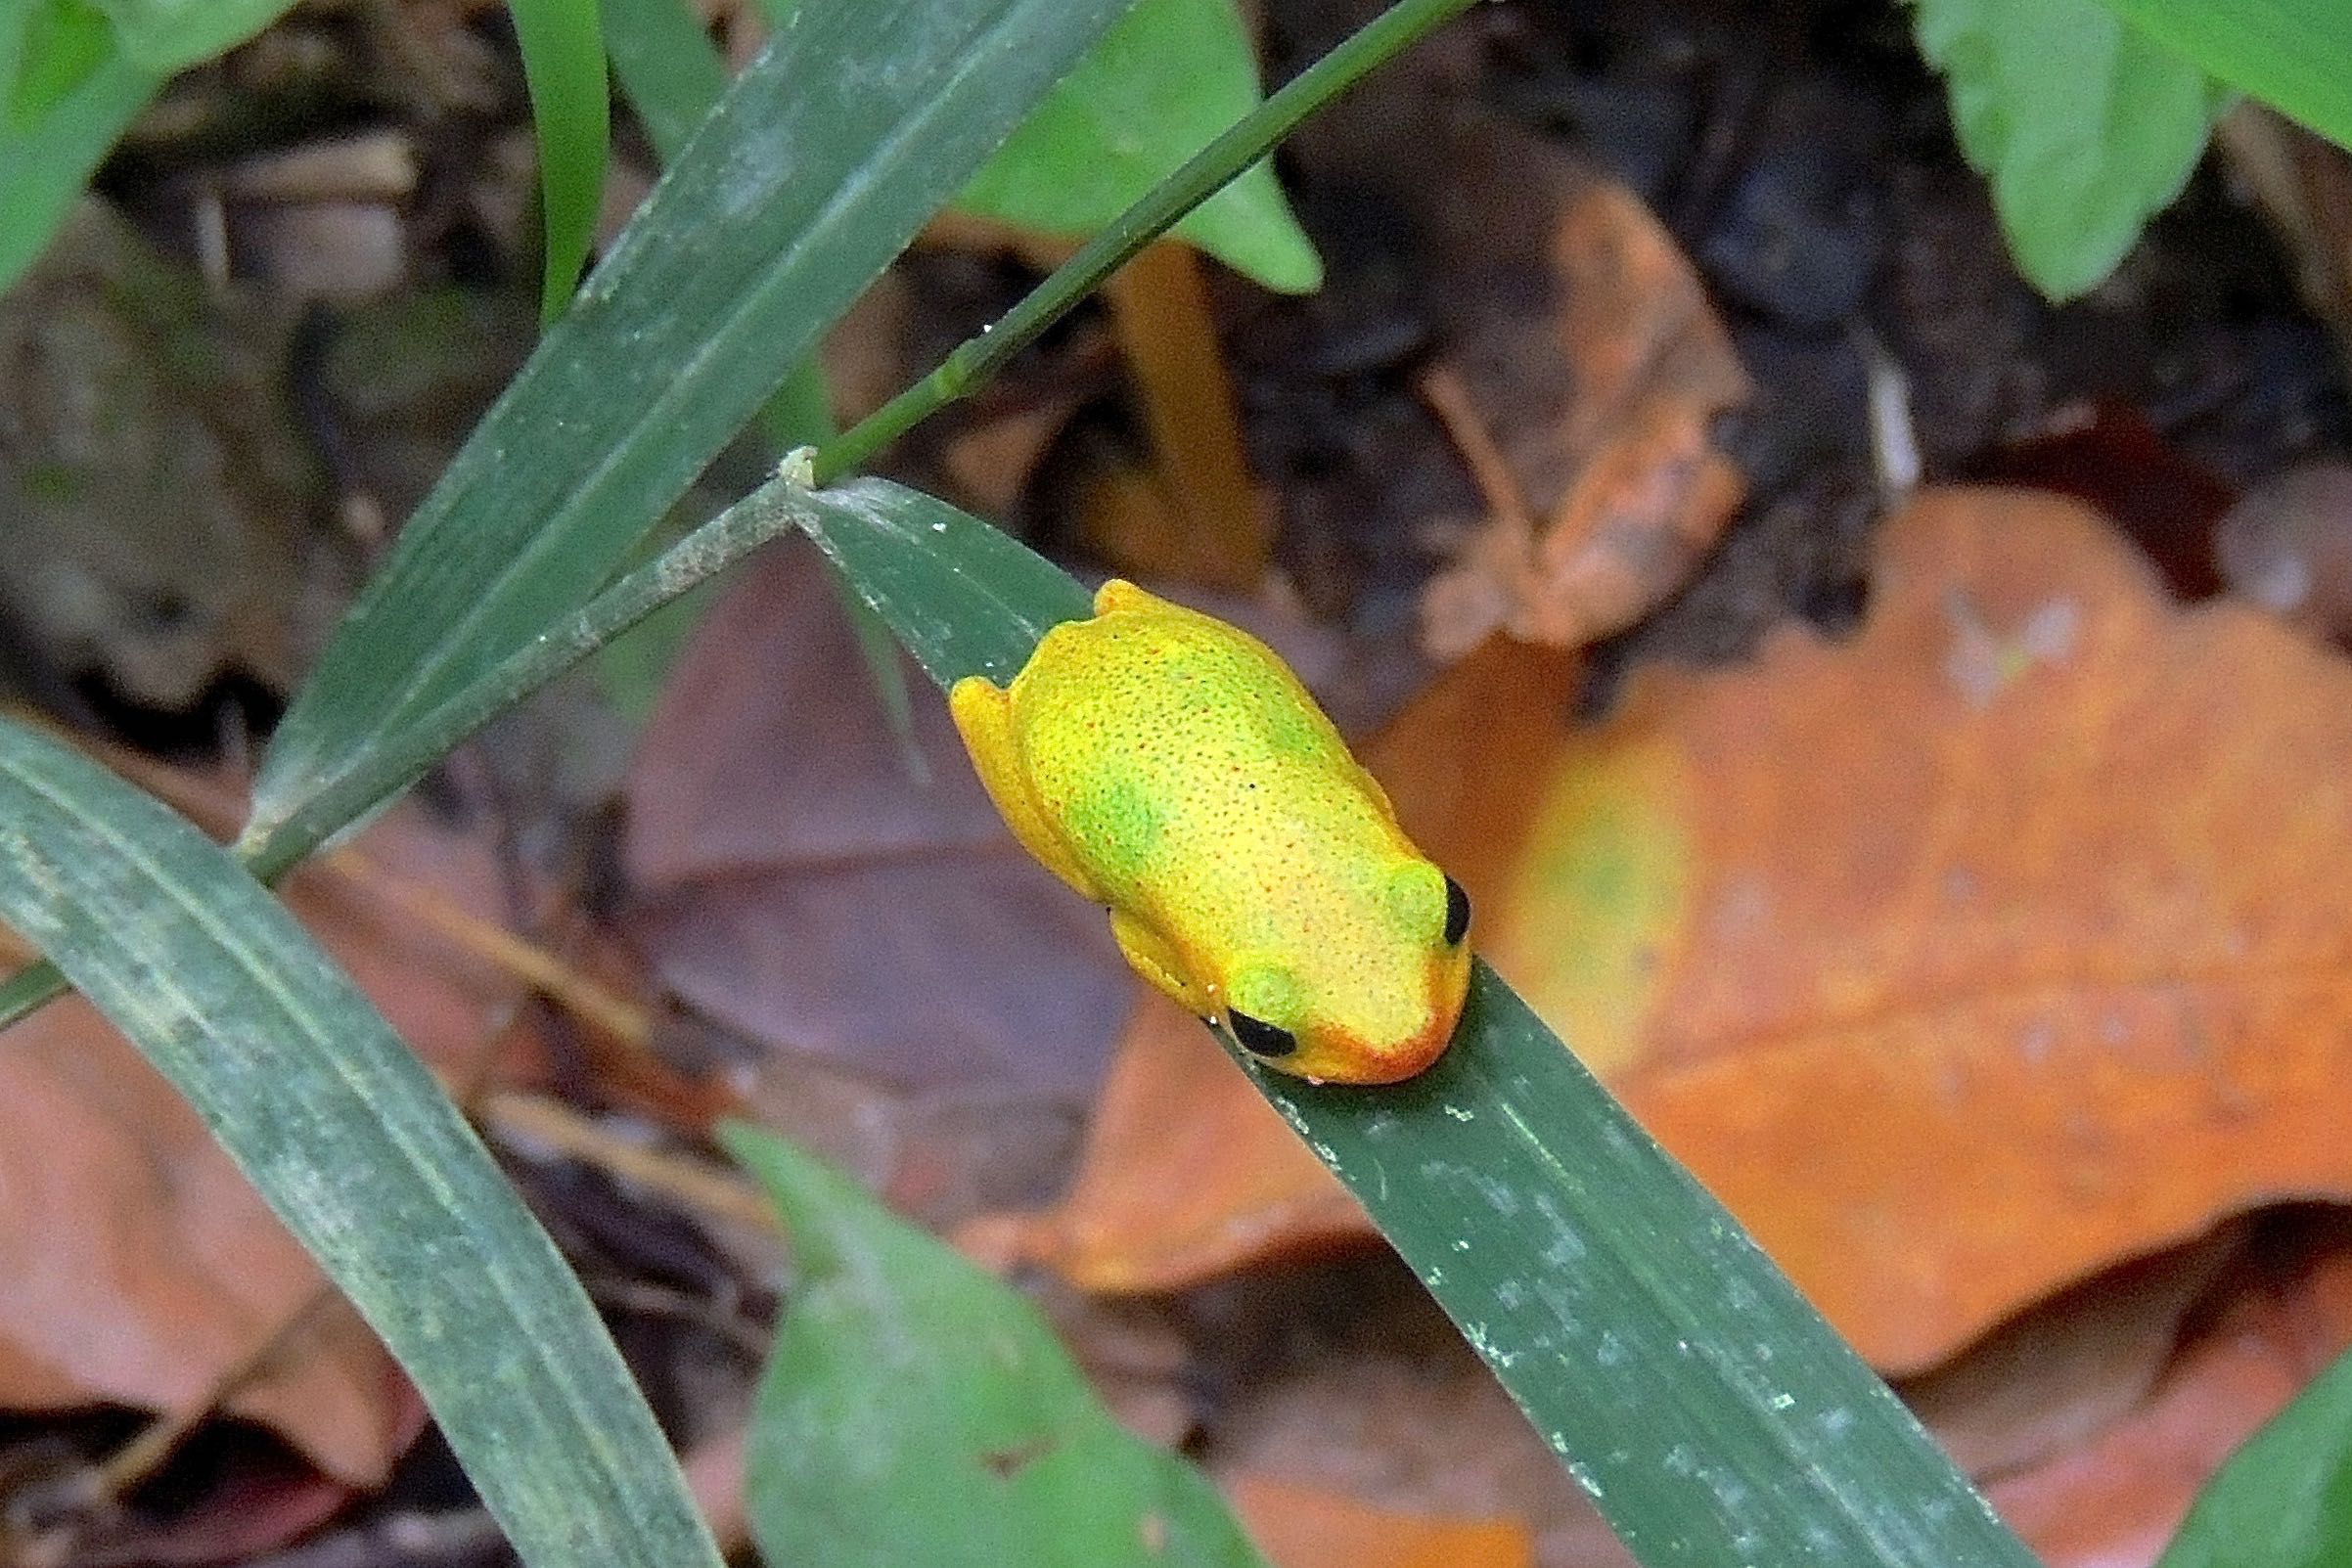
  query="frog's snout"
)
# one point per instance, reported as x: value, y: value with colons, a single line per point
x: 1389, y: 1061
x: 1404, y: 1059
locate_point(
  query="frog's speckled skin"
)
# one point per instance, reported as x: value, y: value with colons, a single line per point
x: 1172, y: 769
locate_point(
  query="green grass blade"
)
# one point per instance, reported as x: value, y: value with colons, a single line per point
x: 2294, y: 55
x: 916, y: 1409
x: 1712, y: 1415
x: 667, y: 65
x: 300, y: 817
x: 673, y: 75
x: 355, y: 1147
x: 2284, y: 1498
x: 820, y: 163
x: 384, y: 770
x: 973, y: 361
x: 564, y: 67
x: 1166, y: 78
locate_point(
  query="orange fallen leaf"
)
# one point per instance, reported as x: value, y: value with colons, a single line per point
x: 137, y: 1267
x: 1587, y: 419
x: 1306, y: 1527
x: 2000, y: 942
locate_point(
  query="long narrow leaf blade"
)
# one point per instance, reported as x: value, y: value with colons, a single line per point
x: 355, y: 1147
x: 667, y: 64
x: 564, y: 67
x: 820, y: 163
x: 1712, y: 1415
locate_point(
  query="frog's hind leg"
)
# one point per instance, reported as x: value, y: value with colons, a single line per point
x: 1149, y: 955
x: 983, y: 716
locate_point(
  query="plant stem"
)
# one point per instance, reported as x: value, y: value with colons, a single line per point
x: 1249, y: 139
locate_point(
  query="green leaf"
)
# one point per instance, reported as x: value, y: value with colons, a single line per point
x: 46, y: 53
x: 67, y: 93
x: 673, y: 75
x: 963, y: 598
x: 2284, y: 1498
x: 667, y: 65
x: 1162, y: 82
x: 1713, y: 1417
x: 918, y: 1409
x: 564, y: 67
x: 162, y: 36
x: 2294, y: 55
x: 2084, y: 125
x: 355, y: 1147
x: 820, y: 161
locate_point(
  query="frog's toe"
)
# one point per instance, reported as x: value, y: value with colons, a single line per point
x: 1120, y: 594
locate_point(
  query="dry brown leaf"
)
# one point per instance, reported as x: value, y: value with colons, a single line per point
x: 2053, y: 1377
x: 805, y: 889
x: 1961, y: 959
x: 136, y: 1265
x: 2111, y: 457
x: 1586, y: 412
x: 2287, y: 546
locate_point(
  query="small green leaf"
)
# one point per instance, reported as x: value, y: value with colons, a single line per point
x: 348, y: 1139
x: 162, y: 36
x: 1162, y: 83
x: 2294, y: 55
x: 564, y: 67
x: 69, y: 94
x: 51, y: 50
x: 2084, y: 125
x: 2284, y: 1498
x: 918, y: 1409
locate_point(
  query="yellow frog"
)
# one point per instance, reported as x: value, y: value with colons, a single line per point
x: 1173, y: 769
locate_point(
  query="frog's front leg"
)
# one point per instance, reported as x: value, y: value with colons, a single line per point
x: 1149, y: 954
x: 983, y: 716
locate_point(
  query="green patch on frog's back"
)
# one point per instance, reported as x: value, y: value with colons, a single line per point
x: 1115, y: 824
x: 1298, y: 733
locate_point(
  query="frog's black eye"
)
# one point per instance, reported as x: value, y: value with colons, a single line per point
x: 1457, y: 912
x: 1261, y: 1039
